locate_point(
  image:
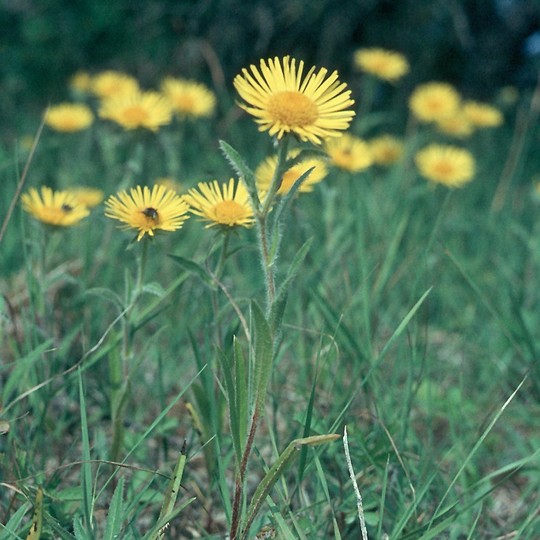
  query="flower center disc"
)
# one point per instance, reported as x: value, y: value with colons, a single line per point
x: 444, y: 169
x: 292, y: 109
x: 229, y: 212
x: 135, y: 114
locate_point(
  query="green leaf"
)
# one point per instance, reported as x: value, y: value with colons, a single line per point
x: 37, y: 519
x: 242, y: 170
x: 115, y: 515
x: 275, y: 472
x: 154, y: 288
x: 172, y: 492
x: 194, y: 268
x: 86, y: 470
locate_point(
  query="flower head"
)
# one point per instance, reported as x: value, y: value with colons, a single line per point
x: 69, y: 117
x: 265, y: 172
x: 226, y: 206
x: 111, y: 83
x: 482, y: 115
x: 283, y: 100
x: 148, y: 110
x: 387, y: 65
x: 386, y: 149
x: 457, y: 125
x: 349, y: 153
x: 434, y: 101
x: 189, y: 98
x: 81, y: 82
x: 58, y: 208
x: 447, y: 165
x: 86, y: 196
x: 148, y: 211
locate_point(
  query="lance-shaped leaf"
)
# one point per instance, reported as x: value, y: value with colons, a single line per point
x: 244, y: 172
x: 263, y: 355
x: 277, y: 469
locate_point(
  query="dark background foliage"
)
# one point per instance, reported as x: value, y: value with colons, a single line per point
x: 480, y: 45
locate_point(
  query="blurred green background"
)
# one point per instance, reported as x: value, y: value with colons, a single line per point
x: 479, y: 45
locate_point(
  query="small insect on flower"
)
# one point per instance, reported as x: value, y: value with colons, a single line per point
x: 148, y: 210
x: 151, y: 213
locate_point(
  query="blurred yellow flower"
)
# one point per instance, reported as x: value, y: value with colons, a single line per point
x: 434, y: 101
x: 226, y: 206
x: 386, y: 149
x: 384, y: 64
x: 283, y: 100
x: 81, y: 82
x: 457, y: 125
x: 109, y: 84
x: 482, y: 115
x: 148, y: 110
x: 148, y: 211
x: 265, y: 172
x: 349, y: 153
x: 447, y: 165
x: 58, y: 208
x: 86, y: 196
x: 189, y: 98
x: 69, y: 117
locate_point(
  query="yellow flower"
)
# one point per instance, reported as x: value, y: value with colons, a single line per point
x: 81, y: 82
x: 349, y: 153
x: 457, y: 125
x: 189, y: 98
x: 386, y: 149
x: 482, y: 115
x: 434, y: 101
x: 265, y: 172
x: 86, y: 196
x: 113, y: 84
x: 387, y: 65
x: 58, y: 208
x: 227, y: 206
x: 282, y: 100
x: 69, y: 117
x: 447, y: 165
x: 149, y: 110
x: 148, y: 211
x: 169, y: 183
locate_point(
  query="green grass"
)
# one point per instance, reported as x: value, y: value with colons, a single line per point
x: 412, y: 318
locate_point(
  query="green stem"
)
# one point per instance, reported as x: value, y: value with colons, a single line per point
x: 269, y: 256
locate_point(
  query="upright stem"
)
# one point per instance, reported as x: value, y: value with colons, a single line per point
x: 268, y: 255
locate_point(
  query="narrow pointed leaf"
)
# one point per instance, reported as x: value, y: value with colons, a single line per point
x: 37, y: 519
x: 275, y: 472
x: 115, y: 515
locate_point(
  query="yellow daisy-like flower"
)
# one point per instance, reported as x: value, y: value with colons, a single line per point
x: 81, y: 82
x: 265, y: 172
x: 283, y: 100
x: 69, y: 117
x: 86, y: 196
x: 149, y: 110
x: 386, y: 149
x: 447, y: 165
x: 189, y: 98
x: 226, y: 206
x: 58, y: 208
x: 384, y: 64
x: 434, y: 101
x: 482, y: 115
x: 349, y: 153
x: 113, y: 84
x: 457, y: 125
x: 148, y: 211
